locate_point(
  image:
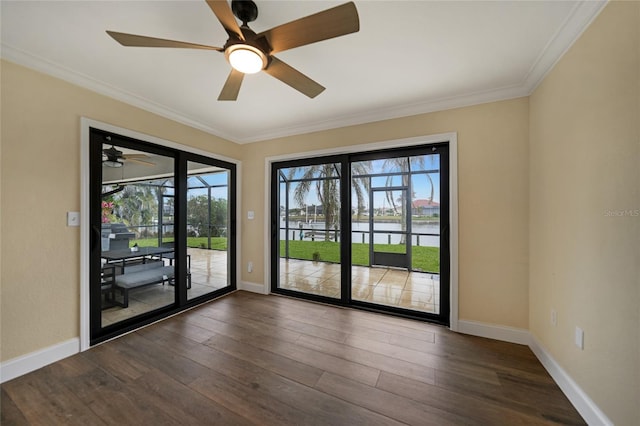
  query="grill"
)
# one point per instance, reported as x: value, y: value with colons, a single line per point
x: 115, y: 236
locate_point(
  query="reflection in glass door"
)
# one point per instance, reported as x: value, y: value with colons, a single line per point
x: 308, y: 239
x: 162, y: 232
x: 136, y: 232
x: 208, y: 219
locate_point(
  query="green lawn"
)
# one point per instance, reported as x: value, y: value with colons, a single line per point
x: 217, y: 243
x: 423, y: 258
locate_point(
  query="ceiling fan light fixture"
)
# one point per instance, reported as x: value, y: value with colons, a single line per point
x: 246, y: 59
x: 112, y: 163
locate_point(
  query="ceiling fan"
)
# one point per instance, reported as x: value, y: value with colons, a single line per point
x: 112, y: 157
x: 249, y: 53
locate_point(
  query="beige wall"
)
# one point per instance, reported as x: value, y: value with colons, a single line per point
x: 493, y: 199
x: 40, y: 182
x: 584, y: 172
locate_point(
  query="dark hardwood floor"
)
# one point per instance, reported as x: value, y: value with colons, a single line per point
x: 268, y: 360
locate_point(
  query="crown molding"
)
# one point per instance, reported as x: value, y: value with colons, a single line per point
x: 37, y: 63
x: 394, y: 112
x: 581, y: 16
x: 34, y: 62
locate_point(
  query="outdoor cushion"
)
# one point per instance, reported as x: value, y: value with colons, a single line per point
x: 144, y: 277
x: 143, y: 267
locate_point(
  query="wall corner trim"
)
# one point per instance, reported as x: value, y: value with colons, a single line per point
x: 580, y: 400
x: 32, y: 361
x: 252, y: 287
x: 494, y: 331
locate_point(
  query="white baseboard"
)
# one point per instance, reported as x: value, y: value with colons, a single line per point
x: 30, y: 362
x: 494, y: 331
x: 252, y: 287
x: 585, y: 406
x: 580, y: 400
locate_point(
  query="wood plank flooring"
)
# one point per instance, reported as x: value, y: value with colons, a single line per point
x: 248, y: 359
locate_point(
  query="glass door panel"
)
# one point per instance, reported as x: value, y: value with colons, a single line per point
x: 425, y: 223
x: 400, y: 226
x: 422, y: 289
x: 308, y: 237
x: 136, y: 205
x: 363, y: 277
x: 208, y: 219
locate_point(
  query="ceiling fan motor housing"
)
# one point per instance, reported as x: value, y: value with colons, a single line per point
x: 260, y: 43
x: 245, y: 10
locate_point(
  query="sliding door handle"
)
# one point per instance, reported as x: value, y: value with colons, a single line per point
x: 95, y: 237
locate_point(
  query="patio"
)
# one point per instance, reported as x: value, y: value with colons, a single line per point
x: 208, y: 273
x: 385, y: 286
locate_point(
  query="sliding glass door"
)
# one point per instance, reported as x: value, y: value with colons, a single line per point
x: 404, y: 228
x: 162, y: 232
x: 308, y: 243
x: 389, y: 251
x: 208, y: 228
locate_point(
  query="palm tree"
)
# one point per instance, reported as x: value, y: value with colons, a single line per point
x: 360, y: 186
x: 402, y: 164
x: 137, y: 206
x: 326, y: 178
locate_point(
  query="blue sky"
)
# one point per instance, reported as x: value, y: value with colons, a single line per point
x: 211, y: 179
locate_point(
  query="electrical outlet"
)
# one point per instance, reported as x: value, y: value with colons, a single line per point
x: 579, y: 338
x: 250, y: 267
x: 554, y: 317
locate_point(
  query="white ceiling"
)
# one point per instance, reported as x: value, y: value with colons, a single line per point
x: 409, y: 57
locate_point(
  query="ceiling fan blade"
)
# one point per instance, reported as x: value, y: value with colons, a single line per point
x: 119, y: 188
x: 330, y: 23
x: 223, y: 12
x: 231, y: 86
x: 142, y: 162
x: 293, y: 78
x: 144, y: 41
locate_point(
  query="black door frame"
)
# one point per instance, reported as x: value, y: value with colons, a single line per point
x: 345, y: 249
x: 345, y: 160
x: 97, y: 136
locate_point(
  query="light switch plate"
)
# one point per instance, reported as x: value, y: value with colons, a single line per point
x: 73, y: 218
x: 579, y: 338
x: 251, y: 215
